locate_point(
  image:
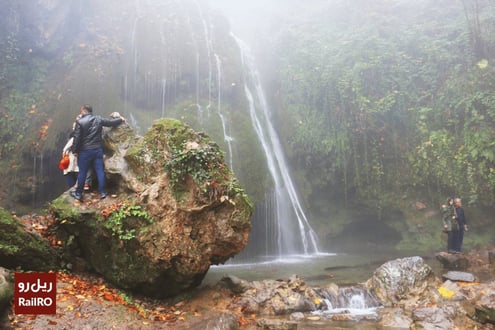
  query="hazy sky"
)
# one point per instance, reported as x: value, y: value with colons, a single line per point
x: 255, y: 16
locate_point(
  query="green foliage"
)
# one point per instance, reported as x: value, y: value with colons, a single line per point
x: 7, y: 249
x: 197, y: 162
x: 194, y: 156
x: 379, y: 99
x: 16, y: 109
x: 125, y: 221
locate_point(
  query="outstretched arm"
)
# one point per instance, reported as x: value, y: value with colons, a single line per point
x: 116, y: 119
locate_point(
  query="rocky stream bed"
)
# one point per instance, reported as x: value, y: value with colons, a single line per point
x: 455, y: 299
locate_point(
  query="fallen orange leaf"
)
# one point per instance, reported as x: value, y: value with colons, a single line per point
x: 243, y: 321
x: 109, y: 296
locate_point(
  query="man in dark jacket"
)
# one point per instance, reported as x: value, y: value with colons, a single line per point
x: 88, y: 146
x: 461, y: 219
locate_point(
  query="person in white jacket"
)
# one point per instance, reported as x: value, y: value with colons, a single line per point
x: 72, y: 170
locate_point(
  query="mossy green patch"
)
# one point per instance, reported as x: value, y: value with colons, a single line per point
x: 127, y: 221
x: 21, y: 249
x: 64, y: 208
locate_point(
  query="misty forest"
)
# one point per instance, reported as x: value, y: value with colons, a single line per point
x: 275, y: 157
x: 357, y: 119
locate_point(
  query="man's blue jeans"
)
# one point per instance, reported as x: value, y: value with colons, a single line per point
x: 86, y: 159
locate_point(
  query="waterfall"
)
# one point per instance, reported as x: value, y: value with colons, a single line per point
x: 226, y: 137
x: 198, y: 79
x: 280, y: 223
x: 164, y: 94
x: 33, y: 187
x: 209, y: 50
x: 37, y: 179
x: 293, y: 233
x: 131, y: 68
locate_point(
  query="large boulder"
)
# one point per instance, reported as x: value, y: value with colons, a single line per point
x: 485, y: 306
x: 272, y: 297
x: 452, y: 261
x: 6, y: 290
x: 401, y: 280
x: 174, y: 208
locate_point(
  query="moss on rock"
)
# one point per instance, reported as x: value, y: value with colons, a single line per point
x: 175, y: 210
x: 21, y: 249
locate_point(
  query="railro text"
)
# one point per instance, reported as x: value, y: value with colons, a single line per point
x: 35, y: 301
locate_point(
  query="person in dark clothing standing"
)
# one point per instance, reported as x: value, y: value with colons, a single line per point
x: 450, y: 225
x: 88, y: 146
x: 462, y: 221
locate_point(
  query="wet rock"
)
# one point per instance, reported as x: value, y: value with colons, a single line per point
x: 6, y: 289
x: 215, y: 321
x: 235, y: 284
x: 400, y: 279
x: 297, y: 316
x: 485, y: 306
x: 459, y: 276
x: 395, y: 319
x: 278, y: 297
x: 346, y: 317
x: 451, y: 291
x: 434, y: 317
x: 452, y: 261
x: 171, y: 213
x: 274, y: 324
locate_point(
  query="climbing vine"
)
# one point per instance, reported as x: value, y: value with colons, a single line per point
x: 198, y: 163
x: 125, y: 220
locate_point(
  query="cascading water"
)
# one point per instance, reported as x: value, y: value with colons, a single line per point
x: 131, y: 69
x: 349, y: 300
x: 164, y: 95
x: 37, y: 173
x: 228, y: 139
x: 293, y: 234
x: 280, y: 226
x: 209, y: 51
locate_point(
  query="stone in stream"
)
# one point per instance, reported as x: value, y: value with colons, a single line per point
x: 459, y: 276
x: 452, y: 261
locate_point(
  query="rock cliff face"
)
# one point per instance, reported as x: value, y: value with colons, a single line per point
x: 173, y: 210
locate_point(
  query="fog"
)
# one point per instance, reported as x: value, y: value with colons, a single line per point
x: 256, y: 20
x: 343, y: 82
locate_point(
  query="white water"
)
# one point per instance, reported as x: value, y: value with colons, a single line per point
x: 293, y: 233
x: 228, y: 139
x: 210, y: 54
x: 350, y: 300
x: 164, y: 95
x: 283, y: 228
x: 357, y: 306
x: 209, y: 51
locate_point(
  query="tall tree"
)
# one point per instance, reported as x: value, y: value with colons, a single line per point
x: 472, y: 14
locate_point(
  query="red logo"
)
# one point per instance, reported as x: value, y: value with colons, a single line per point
x: 35, y: 293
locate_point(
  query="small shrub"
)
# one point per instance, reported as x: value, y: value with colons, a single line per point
x: 119, y: 221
